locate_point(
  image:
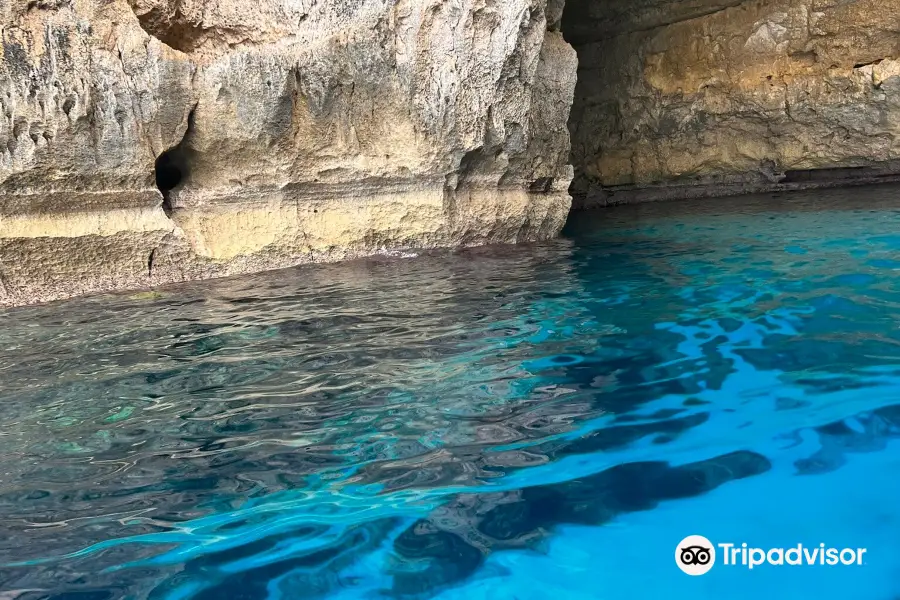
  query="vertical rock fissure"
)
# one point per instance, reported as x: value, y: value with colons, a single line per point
x: 172, y: 167
x: 150, y: 261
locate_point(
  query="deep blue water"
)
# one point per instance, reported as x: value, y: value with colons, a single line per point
x: 532, y: 422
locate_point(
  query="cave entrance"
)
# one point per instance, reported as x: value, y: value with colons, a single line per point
x: 653, y: 119
x: 171, y: 170
x: 168, y: 172
x: 586, y: 25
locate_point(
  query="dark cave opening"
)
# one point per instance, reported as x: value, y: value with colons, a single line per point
x: 652, y: 120
x: 171, y: 169
x: 169, y: 172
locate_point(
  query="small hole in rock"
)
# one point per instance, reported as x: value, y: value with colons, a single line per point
x: 542, y: 185
x: 170, y: 172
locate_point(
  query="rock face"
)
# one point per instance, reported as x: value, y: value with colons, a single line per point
x: 280, y: 132
x: 149, y: 141
x: 682, y: 98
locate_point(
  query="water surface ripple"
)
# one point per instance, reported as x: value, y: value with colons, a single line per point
x: 516, y: 422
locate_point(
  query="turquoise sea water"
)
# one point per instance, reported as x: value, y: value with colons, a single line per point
x: 531, y: 422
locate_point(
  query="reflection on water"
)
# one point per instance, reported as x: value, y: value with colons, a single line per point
x: 501, y: 422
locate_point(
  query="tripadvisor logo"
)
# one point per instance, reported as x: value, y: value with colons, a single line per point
x: 696, y: 555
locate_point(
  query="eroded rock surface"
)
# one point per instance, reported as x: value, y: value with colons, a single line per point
x: 682, y: 98
x: 285, y: 131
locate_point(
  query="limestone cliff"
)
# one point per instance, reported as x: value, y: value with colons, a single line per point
x: 681, y: 98
x: 151, y: 141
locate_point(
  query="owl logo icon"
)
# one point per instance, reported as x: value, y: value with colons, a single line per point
x: 695, y: 555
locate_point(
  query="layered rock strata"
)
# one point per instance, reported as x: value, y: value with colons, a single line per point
x: 151, y: 141
x: 682, y: 98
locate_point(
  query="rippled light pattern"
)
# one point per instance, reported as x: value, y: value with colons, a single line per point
x: 543, y: 421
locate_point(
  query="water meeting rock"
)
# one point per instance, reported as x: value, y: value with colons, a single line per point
x: 151, y: 141
x: 682, y: 98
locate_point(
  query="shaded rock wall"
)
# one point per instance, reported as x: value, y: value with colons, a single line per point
x: 286, y: 131
x: 681, y: 98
